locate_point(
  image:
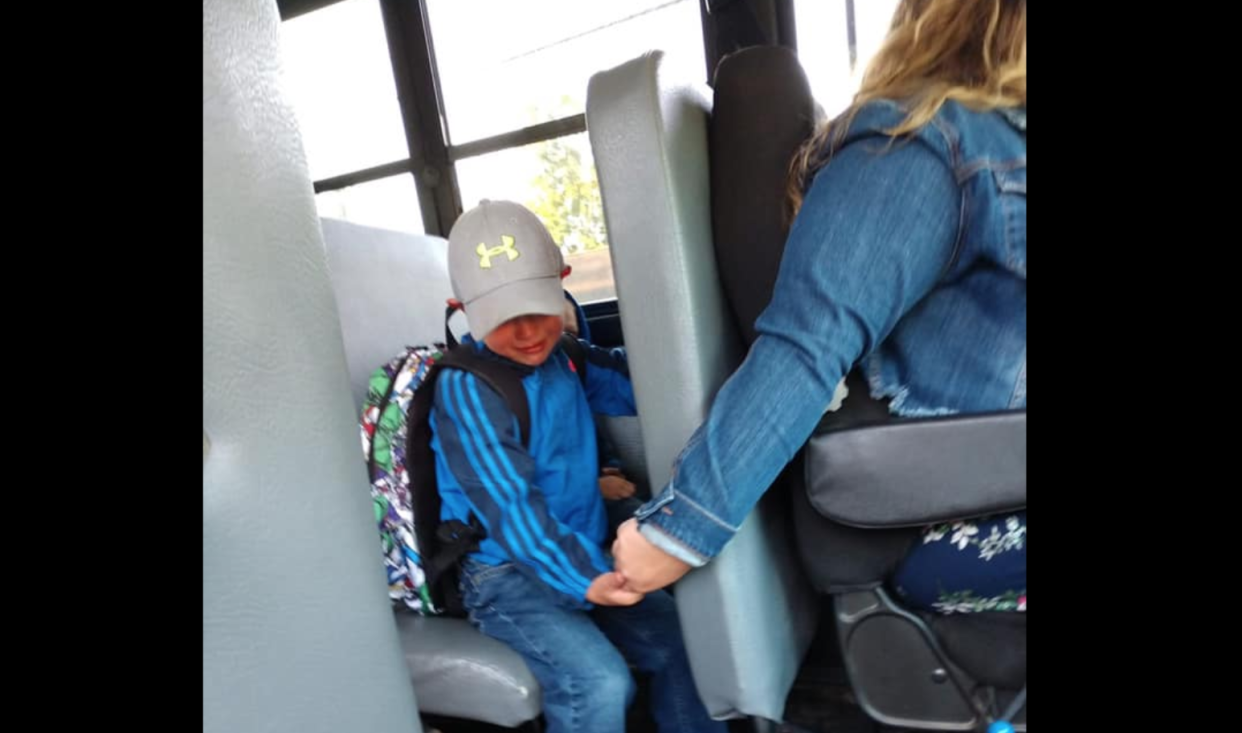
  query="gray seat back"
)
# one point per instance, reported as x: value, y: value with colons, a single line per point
x: 297, y: 635
x: 748, y: 616
x: 391, y: 290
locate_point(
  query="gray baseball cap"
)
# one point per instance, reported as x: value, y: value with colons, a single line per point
x: 503, y: 264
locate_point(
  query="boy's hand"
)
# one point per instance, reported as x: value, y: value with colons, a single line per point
x: 613, y: 485
x: 608, y: 589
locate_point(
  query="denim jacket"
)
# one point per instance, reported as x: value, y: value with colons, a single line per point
x: 907, y: 257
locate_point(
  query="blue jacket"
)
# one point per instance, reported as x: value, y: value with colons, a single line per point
x: 541, y: 506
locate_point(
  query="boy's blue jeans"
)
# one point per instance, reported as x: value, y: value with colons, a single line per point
x: 577, y: 655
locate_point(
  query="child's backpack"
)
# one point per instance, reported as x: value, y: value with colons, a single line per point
x: 422, y: 553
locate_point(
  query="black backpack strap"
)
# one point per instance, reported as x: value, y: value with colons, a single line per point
x: 577, y: 354
x: 420, y: 464
x: 444, y: 544
x: 453, y: 540
x: 501, y: 377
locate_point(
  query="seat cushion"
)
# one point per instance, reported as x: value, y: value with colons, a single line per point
x: 461, y: 673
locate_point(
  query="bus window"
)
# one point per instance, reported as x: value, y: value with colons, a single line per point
x: 339, y: 79
x: 498, y: 112
x: 839, y: 37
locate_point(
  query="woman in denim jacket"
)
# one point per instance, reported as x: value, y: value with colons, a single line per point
x: 907, y: 256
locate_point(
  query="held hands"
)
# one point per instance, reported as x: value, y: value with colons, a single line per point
x: 608, y: 589
x: 644, y: 566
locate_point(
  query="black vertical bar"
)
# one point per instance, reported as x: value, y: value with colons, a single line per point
x: 409, y: 46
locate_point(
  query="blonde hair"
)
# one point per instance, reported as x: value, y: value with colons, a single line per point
x: 971, y: 51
